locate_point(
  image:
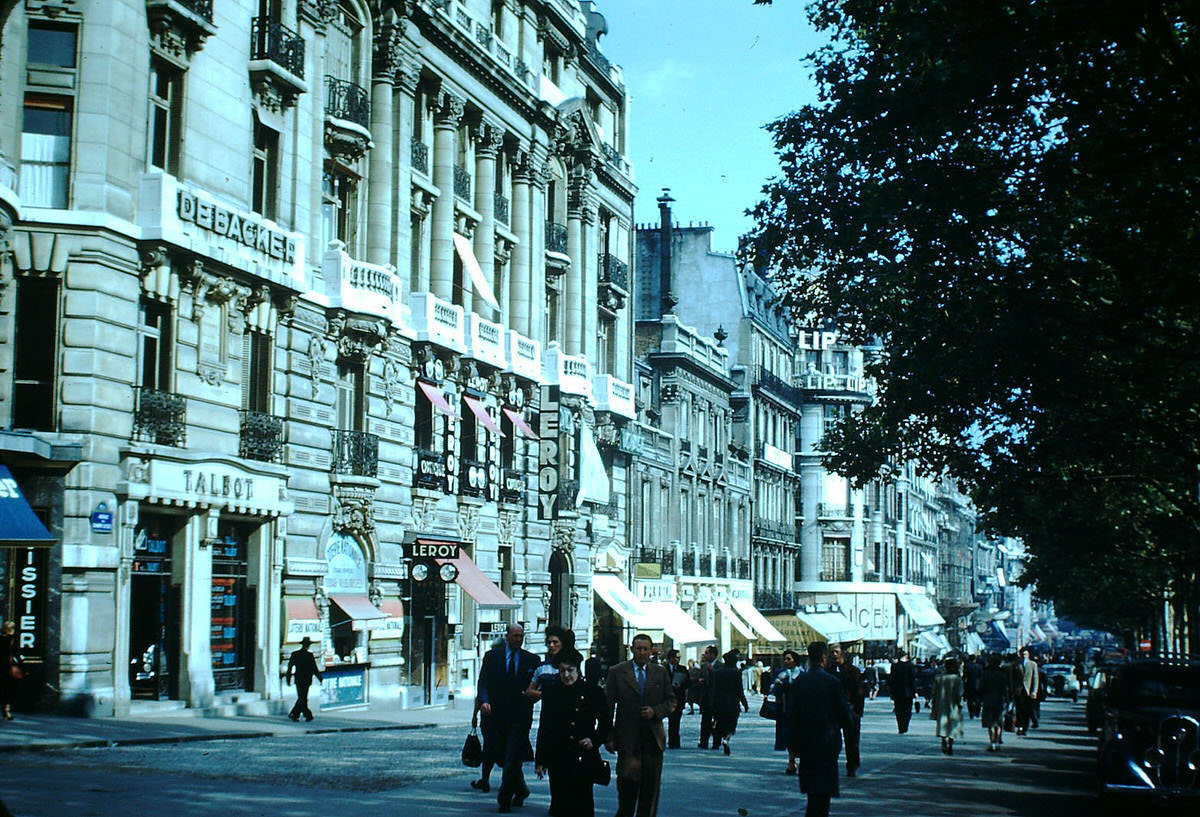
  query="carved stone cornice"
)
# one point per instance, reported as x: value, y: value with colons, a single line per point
x: 523, y: 170
x: 318, y: 12
x: 344, y: 143
x: 356, y: 338
x: 388, y: 51
x: 488, y: 139
x: 408, y: 76
x: 354, y: 509
x: 564, y: 536
x: 176, y: 31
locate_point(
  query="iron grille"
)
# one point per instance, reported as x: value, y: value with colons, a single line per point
x: 420, y: 156
x: 722, y: 568
x: 556, y: 237
x: 345, y: 100
x: 355, y: 453
x: 741, y: 569
x: 614, y: 271
x: 648, y: 556
x: 500, y: 202
x: 261, y: 436
x: 160, y: 417
x: 667, y: 560
x: 271, y: 40
x: 201, y: 8
x: 767, y: 379
x: 689, y: 564
x: 462, y: 183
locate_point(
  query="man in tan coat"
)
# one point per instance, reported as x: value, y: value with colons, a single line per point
x: 642, y: 695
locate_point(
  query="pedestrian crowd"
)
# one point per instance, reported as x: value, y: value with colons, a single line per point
x: 816, y: 699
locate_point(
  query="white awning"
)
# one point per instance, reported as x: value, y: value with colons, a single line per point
x: 920, y: 609
x: 734, y: 621
x: 593, y: 478
x: 684, y: 630
x: 622, y: 601
x: 758, y: 621
x: 832, y: 626
x: 467, y: 253
x: 931, y: 643
x: 973, y: 644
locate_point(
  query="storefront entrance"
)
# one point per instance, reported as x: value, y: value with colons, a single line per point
x: 232, y: 623
x: 427, y: 644
x: 154, y: 610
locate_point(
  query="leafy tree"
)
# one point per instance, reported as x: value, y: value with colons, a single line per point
x: 1006, y: 196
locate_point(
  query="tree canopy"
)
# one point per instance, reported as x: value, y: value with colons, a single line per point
x: 1005, y: 197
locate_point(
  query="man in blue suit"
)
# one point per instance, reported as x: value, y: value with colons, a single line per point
x: 503, y: 678
x: 817, y: 713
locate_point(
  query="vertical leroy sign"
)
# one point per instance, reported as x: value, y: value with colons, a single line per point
x: 549, y: 449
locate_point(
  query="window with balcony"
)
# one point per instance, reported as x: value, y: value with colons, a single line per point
x: 264, y: 176
x: 35, y: 345
x: 261, y: 432
x: 160, y: 416
x: 46, y: 150
x: 339, y: 205
x: 155, y: 330
x: 351, y: 397
x: 552, y: 62
x: 835, y: 560
x: 166, y: 106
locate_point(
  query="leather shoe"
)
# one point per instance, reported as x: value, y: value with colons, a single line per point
x: 851, y: 771
x: 481, y: 784
x: 519, y: 800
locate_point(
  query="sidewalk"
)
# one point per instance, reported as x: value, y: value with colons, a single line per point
x: 50, y: 732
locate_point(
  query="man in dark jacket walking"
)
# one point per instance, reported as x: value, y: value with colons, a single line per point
x: 817, y: 714
x: 973, y: 685
x: 303, y: 666
x: 680, y: 681
x: 503, y: 678
x: 903, y: 683
x: 856, y: 694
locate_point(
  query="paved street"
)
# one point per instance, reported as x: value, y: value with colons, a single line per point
x: 416, y: 771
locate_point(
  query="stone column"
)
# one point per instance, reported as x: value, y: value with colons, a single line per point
x: 195, y: 643
x: 591, y: 280
x: 487, y: 143
x: 380, y: 180
x: 407, y: 78
x: 573, y: 295
x: 519, y: 296
x: 540, y: 179
x: 445, y: 131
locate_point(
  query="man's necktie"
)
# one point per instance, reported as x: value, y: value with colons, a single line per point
x: 512, y: 663
x: 641, y: 681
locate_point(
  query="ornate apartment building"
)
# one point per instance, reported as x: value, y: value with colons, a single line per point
x: 314, y: 322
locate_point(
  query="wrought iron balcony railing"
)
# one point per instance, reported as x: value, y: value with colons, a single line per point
x: 355, y: 453
x: 201, y: 8
x: 774, y: 600
x: 345, y: 100
x: 160, y: 417
x: 667, y: 560
x: 614, y: 271
x: 768, y: 529
x: 420, y: 156
x: 261, y: 436
x: 556, y: 237
x: 271, y: 40
x: 766, y: 379
x: 741, y: 568
x: 722, y: 568
x: 689, y: 564
x: 462, y: 183
x: 648, y: 556
x: 431, y: 470
x: 500, y: 208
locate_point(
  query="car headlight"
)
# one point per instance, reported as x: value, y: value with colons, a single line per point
x: 1193, y: 762
x: 1153, y: 758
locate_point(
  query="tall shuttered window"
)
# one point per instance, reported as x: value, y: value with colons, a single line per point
x: 166, y: 105
x: 34, y: 353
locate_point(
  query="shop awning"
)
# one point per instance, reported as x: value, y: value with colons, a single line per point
x: 931, y: 643
x: 393, y: 625
x: 481, y: 414
x: 487, y: 595
x: 684, y: 630
x: 920, y: 609
x: 522, y: 427
x: 303, y: 619
x: 1038, y: 633
x: 438, y: 399
x: 973, y: 644
x: 593, y: 478
x: 735, y: 622
x: 1000, y: 634
x: 18, y: 523
x: 832, y: 626
x: 766, y: 631
x: 471, y: 264
x: 620, y: 598
x: 362, y: 614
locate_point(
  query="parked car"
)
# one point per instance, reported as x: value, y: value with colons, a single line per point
x: 1061, y: 681
x: 1150, y: 746
x: 1094, y: 708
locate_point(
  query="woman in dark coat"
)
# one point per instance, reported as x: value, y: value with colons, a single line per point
x: 574, y: 725
x: 781, y: 687
x: 9, y: 658
x: 729, y: 698
x: 995, y: 695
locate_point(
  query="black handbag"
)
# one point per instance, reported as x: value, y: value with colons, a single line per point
x: 598, y: 770
x: 472, y: 751
x: 769, y: 709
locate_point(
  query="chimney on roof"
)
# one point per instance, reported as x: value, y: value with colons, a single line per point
x: 666, y: 296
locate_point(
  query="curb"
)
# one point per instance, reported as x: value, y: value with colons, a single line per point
x: 101, y: 743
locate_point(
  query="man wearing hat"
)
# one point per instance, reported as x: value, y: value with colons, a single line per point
x: 304, y: 666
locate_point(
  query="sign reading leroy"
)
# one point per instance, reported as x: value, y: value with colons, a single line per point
x: 548, y: 454
x: 431, y: 549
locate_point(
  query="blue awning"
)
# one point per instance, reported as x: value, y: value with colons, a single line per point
x: 18, y: 524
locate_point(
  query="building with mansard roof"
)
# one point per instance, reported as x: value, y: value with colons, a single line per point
x: 315, y: 322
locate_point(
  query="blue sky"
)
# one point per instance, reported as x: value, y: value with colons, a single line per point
x: 704, y: 76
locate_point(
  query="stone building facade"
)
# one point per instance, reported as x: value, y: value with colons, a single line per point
x: 339, y: 342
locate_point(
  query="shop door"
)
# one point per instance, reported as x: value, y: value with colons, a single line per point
x: 429, y: 636
x: 232, y: 610
x: 153, y: 611
x: 427, y: 647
